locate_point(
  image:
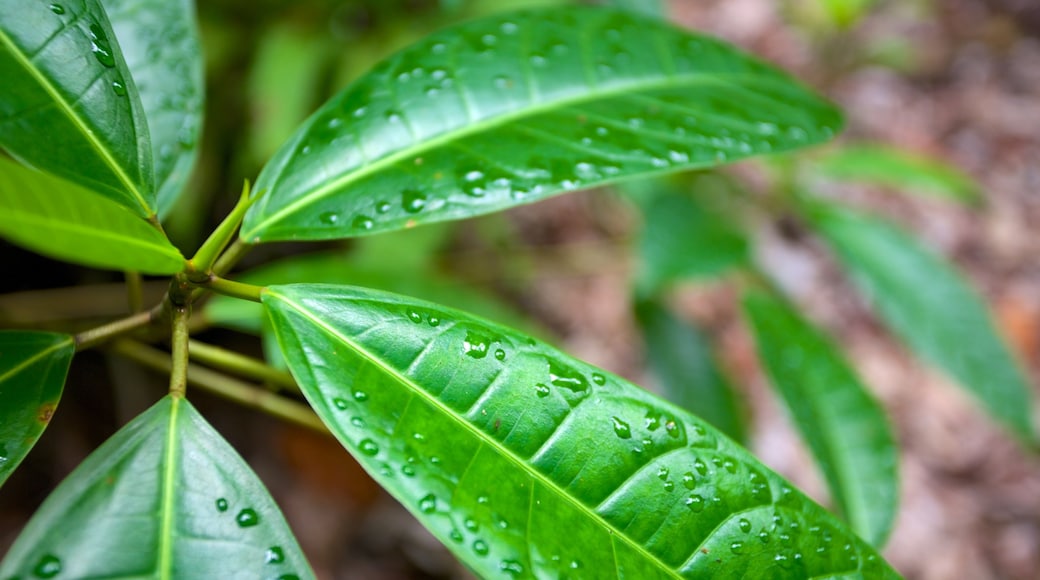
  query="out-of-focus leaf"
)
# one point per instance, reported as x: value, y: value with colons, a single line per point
x: 160, y: 42
x: 165, y: 497
x: 69, y: 105
x: 33, y: 366
x: 654, y: 8
x: 526, y: 462
x: 932, y: 309
x: 62, y: 220
x: 897, y: 169
x: 512, y: 109
x: 842, y: 423
x: 683, y: 364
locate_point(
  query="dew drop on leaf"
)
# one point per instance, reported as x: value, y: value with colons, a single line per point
x: 247, y: 518
x: 57, y: 9
x: 363, y: 222
x: 428, y: 503
x: 745, y: 525
x: 412, y: 200
x: 368, y: 447
x: 222, y: 505
x: 695, y: 503
x: 383, y: 207
x: 736, y: 547
x: 360, y: 396
x: 511, y: 567
x: 339, y: 403
x: 621, y: 429
x: 688, y: 481
x: 481, y: 548
x: 274, y: 555
x: 434, y: 321
x: 662, y: 473
x: 500, y: 354
x: 100, y: 47
x: 471, y: 524
x: 542, y: 390
x: 329, y: 218
x: 119, y: 88
x: 475, y: 346
x: 455, y: 536
x: 49, y: 566
x: 414, y: 316
x: 599, y: 379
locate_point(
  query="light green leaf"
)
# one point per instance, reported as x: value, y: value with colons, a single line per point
x: 932, y: 309
x: 844, y: 426
x: 160, y: 42
x: 64, y: 221
x: 526, y: 462
x: 165, y: 497
x: 69, y: 105
x: 512, y: 109
x: 684, y: 365
x: 897, y: 169
x: 33, y: 366
x: 653, y: 8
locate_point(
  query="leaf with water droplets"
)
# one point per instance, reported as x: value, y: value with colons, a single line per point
x: 160, y: 42
x: 844, y: 426
x: 927, y: 304
x: 32, y: 374
x: 62, y: 220
x: 516, y: 108
x: 69, y: 105
x: 497, y: 457
x: 165, y: 497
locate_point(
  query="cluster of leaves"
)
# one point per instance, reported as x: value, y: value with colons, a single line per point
x: 521, y: 460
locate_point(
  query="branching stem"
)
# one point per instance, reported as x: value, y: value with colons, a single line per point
x: 232, y: 288
x: 95, y: 336
x: 201, y: 265
x: 244, y: 366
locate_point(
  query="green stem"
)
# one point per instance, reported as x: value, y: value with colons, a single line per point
x: 233, y: 362
x: 224, y: 386
x: 135, y: 291
x: 232, y: 288
x: 203, y: 261
x: 95, y: 336
x: 179, y: 358
x: 229, y: 258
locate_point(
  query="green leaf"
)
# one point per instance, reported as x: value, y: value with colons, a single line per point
x: 64, y: 221
x: 512, y: 109
x: 160, y: 42
x: 844, y: 426
x: 165, y: 497
x: 524, y: 461
x: 889, y: 167
x: 653, y: 8
x: 932, y: 309
x: 69, y: 105
x: 33, y: 366
x: 684, y: 365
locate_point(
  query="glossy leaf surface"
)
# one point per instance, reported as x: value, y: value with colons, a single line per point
x: 160, y: 42
x: 33, y: 366
x: 165, y: 497
x: 526, y: 462
x: 932, y: 309
x: 844, y: 426
x: 512, y: 109
x: 69, y: 104
x: 897, y: 169
x: 64, y: 221
x: 682, y: 361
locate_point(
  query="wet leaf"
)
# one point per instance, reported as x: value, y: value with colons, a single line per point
x: 844, y: 426
x: 33, y: 366
x: 69, y: 105
x: 64, y: 221
x: 512, y: 109
x: 165, y: 497
x: 526, y: 462
x: 927, y: 304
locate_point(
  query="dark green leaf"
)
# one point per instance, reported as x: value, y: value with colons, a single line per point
x: 897, y: 169
x: 165, y: 497
x: 62, y: 220
x: 930, y: 307
x: 32, y: 373
x: 69, y: 104
x: 524, y: 461
x: 511, y: 109
x: 683, y: 363
x: 161, y: 44
x: 845, y: 427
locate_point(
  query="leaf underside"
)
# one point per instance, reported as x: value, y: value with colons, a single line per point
x: 524, y: 461
x: 69, y: 105
x: 165, y: 497
x: 512, y: 109
x: 33, y: 366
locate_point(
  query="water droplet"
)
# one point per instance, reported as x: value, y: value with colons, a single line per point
x: 745, y: 525
x: 537, y: 60
x: 483, y: 499
x: 100, y: 47
x: 222, y: 505
x: 360, y: 112
x: 357, y: 422
x: 247, y: 518
x: 471, y: 524
x: 729, y: 465
x: 500, y: 354
x: 434, y: 321
x: 274, y: 555
x: 383, y: 207
x: 334, y: 123
x: 368, y: 447
x: 688, y: 480
x: 501, y: 522
x: 339, y: 403
x: 57, y: 9
x: 455, y: 535
x: 408, y: 470
x: 509, y: 28
x: 736, y: 547
x: 363, y: 222
x: 797, y: 134
x: 475, y: 345
x: 414, y: 316
x: 360, y: 396
x: 763, y: 537
x: 119, y: 88
x: 481, y: 548
x: 542, y: 390
x: 49, y: 566
x: 695, y: 503
x: 669, y: 485
x: 599, y: 379
x: 672, y: 428
x: 428, y: 504
x: 621, y: 429
x: 413, y: 200
x: 567, y: 378
x: 489, y: 40
x: 438, y: 48
x: 662, y: 472
x: 329, y: 218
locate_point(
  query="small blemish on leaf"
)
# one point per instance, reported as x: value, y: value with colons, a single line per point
x: 46, y: 412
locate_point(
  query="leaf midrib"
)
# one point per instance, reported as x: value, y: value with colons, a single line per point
x: 490, y: 123
x: 36, y: 357
x: 165, y: 563
x: 476, y: 433
x: 69, y: 112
